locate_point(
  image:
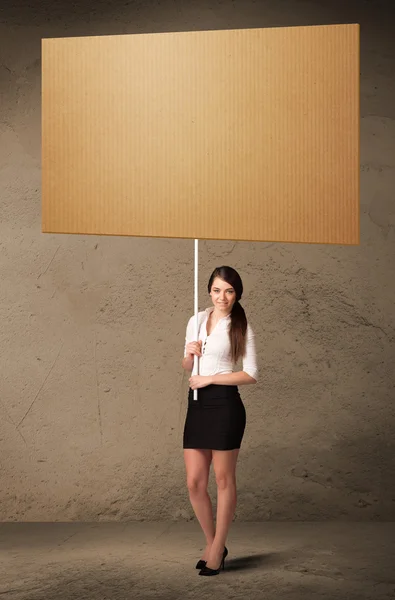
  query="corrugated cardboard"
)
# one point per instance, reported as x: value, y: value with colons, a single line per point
x: 249, y: 134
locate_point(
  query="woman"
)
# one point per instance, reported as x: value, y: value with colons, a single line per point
x: 215, y: 422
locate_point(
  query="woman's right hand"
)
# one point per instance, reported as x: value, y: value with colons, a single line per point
x: 194, y: 348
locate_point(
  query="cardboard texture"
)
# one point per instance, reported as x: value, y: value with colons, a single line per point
x: 249, y: 134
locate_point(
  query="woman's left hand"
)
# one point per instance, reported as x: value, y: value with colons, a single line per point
x: 199, y: 381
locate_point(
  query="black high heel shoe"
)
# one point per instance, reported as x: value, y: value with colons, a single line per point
x: 207, y: 571
x: 200, y: 564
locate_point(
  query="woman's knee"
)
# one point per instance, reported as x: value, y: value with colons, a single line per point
x: 225, y: 467
x: 197, y: 470
x: 225, y: 479
x: 197, y: 485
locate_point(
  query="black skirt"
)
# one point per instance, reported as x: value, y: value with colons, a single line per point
x: 216, y: 420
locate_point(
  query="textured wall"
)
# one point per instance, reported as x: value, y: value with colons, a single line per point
x: 92, y: 395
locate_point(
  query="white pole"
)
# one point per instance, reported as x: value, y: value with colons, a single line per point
x: 196, y: 358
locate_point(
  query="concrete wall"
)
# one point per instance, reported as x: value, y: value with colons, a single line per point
x: 92, y: 395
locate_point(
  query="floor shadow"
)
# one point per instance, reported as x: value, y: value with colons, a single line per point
x: 252, y: 561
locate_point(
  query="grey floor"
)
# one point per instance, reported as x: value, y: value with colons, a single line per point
x: 156, y: 560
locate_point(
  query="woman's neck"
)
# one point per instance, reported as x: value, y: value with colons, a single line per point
x: 215, y: 317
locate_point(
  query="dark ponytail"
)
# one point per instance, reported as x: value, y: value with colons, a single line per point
x: 238, y: 330
x: 238, y: 327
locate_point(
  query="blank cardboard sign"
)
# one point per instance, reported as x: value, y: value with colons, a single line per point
x: 246, y: 134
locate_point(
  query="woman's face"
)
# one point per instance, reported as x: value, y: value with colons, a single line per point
x: 222, y: 295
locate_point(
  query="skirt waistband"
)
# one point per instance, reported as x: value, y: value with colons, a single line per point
x: 216, y: 391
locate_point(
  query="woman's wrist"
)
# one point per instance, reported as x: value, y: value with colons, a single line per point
x: 187, y: 362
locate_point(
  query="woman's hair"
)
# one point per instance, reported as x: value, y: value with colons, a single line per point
x: 238, y: 328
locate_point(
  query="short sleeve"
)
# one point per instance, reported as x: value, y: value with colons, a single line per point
x: 249, y: 360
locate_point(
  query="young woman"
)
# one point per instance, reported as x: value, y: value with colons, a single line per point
x: 215, y: 422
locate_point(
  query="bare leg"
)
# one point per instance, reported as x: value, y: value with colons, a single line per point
x: 224, y: 462
x: 197, y: 463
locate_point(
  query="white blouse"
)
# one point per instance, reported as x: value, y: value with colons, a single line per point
x: 216, y: 349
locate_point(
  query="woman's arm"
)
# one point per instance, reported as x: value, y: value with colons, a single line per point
x: 249, y: 359
x: 187, y: 361
x: 237, y: 378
